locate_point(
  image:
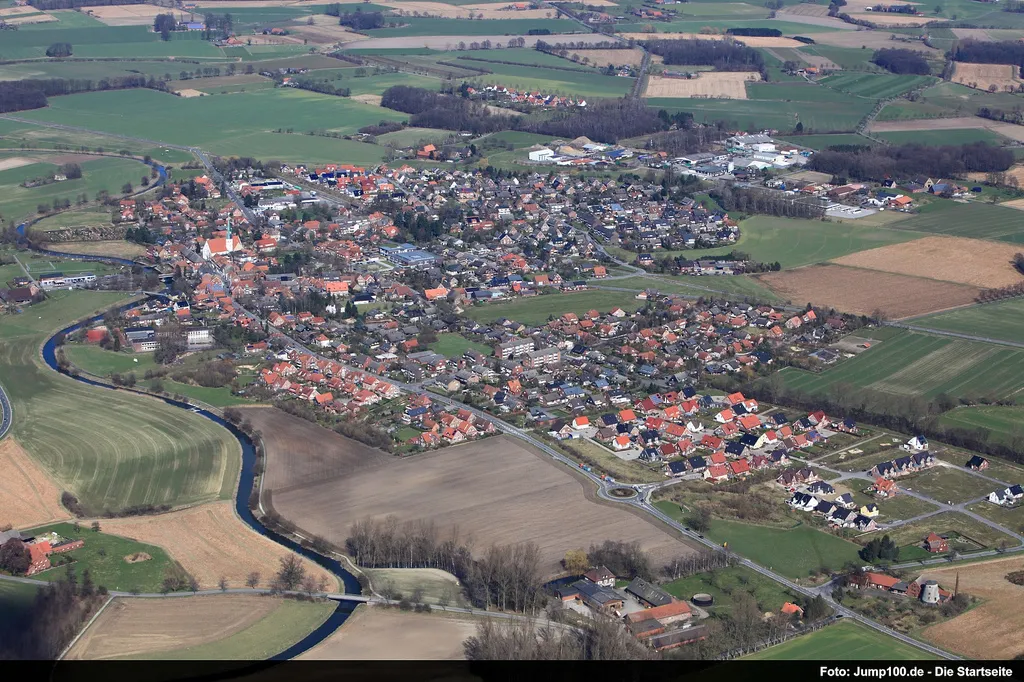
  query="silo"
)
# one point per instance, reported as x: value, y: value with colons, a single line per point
x: 930, y: 592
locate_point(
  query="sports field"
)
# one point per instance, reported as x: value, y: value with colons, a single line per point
x: 244, y: 123
x: 1003, y: 320
x: 216, y: 627
x: 793, y: 552
x: 913, y: 364
x: 981, y: 221
x: 537, y: 309
x: 106, y: 557
x: 794, y: 242
x: 843, y: 641
x: 112, y: 449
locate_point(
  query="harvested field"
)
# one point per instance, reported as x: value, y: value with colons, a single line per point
x: 633, y: 56
x: 977, y: 262
x: 189, y: 92
x: 210, y: 542
x: 131, y: 627
x: 859, y: 291
x: 999, y: 617
x: 724, y: 84
x: 490, y: 10
x: 118, y: 249
x: 749, y: 41
x: 15, y: 162
x: 127, y: 15
x: 1009, y: 130
x: 805, y: 9
x: 325, y: 30
x: 374, y: 634
x: 28, y: 497
x: 375, y: 100
x: 32, y: 19
x: 892, y: 19
x: 497, y: 491
x: 216, y: 82
x: 985, y: 76
x: 452, y: 42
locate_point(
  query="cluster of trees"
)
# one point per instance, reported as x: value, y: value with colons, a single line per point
x: 211, y: 374
x: 14, y: 557
x: 321, y: 86
x: 140, y: 235
x: 1018, y: 262
x: 58, y: 613
x: 164, y: 24
x: 607, y: 120
x: 21, y: 96
x: 901, y: 61
x: 599, y: 639
x: 362, y: 21
x: 724, y: 55
x: 32, y: 93
x: 686, y: 139
x: 702, y: 561
x: 624, y: 559
x: 983, y: 52
x: 217, y: 25
x: 59, y: 50
x: 880, y: 549
x: 1015, y: 115
x: 766, y: 202
x: 759, y: 32
x: 913, y: 159
x: 1000, y: 293
x: 436, y: 110
x: 507, y: 576
x: 381, y: 128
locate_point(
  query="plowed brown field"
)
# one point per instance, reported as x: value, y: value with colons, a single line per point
x: 28, y: 496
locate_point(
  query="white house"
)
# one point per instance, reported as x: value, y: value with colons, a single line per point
x: 1006, y: 497
x: 916, y: 444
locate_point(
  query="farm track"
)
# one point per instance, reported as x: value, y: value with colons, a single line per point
x: 639, y: 502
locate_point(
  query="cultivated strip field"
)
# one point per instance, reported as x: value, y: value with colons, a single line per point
x: 127, y: 15
x: 749, y: 41
x: 118, y: 249
x: 861, y: 291
x: 892, y: 19
x: 210, y: 542
x: 633, y: 56
x: 1003, y: 320
x: 219, y: 627
x: 1010, y: 130
x: 496, y: 10
x: 28, y: 497
x: 999, y: 617
x: 978, y: 220
x: 495, y: 491
x: 846, y: 641
x: 985, y: 76
x: 976, y: 262
x: 722, y: 84
x: 375, y: 634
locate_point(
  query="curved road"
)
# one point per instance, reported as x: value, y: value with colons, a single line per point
x: 8, y: 416
x: 638, y: 501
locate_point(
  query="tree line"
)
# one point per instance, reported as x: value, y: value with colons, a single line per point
x: 323, y: 87
x: 1015, y: 115
x: 506, y: 577
x: 598, y: 639
x: 983, y: 52
x: 26, y: 94
x: 361, y: 21
x: 724, y: 55
x: 912, y: 159
x: 901, y: 61
x: 766, y: 202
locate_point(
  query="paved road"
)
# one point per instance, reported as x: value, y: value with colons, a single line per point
x: 8, y: 413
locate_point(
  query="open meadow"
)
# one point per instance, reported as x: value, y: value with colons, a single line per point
x: 913, y: 364
x: 218, y: 627
x: 113, y: 449
x: 862, y: 292
x: 211, y: 542
x: 845, y: 641
x: 975, y: 220
x: 999, y: 616
x: 537, y: 310
x: 1003, y: 424
x: 494, y: 491
x: 793, y: 552
x: 374, y: 633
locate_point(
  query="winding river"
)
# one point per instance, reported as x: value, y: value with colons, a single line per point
x: 245, y: 485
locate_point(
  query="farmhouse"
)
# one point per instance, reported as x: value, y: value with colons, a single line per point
x: 977, y: 463
x: 935, y: 544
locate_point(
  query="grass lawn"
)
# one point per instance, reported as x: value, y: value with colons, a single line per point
x: 911, y: 363
x: 1003, y: 320
x: 724, y: 583
x: 975, y: 532
x: 904, y: 507
x: 1011, y: 518
x: 100, y: 362
x: 846, y: 640
x: 1002, y: 423
x: 794, y: 242
x: 672, y: 509
x: 112, y: 449
x: 97, y: 218
x: 693, y: 285
x: 794, y: 552
x: 433, y: 583
x: 104, y: 557
x: 946, y: 484
x: 454, y: 345
x: 536, y: 310
x: 606, y: 462
x: 285, y: 626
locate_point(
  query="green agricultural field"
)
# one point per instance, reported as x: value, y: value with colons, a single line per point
x: 376, y: 85
x: 454, y: 345
x: 826, y: 141
x: 844, y: 641
x: 788, y: 28
x: 846, y: 57
x: 285, y: 626
x: 537, y: 309
x: 902, y: 109
x: 794, y: 552
x: 725, y: 583
x: 977, y: 220
x: 943, y: 137
x: 106, y: 173
x: 96, y: 218
x: 244, y: 123
x: 517, y: 139
x: 797, y: 92
x: 414, y: 136
x: 112, y: 449
x: 104, y: 556
x: 1003, y: 320
x: 432, y: 26
x: 1003, y: 424
x: 794, y: 242
x: 754, y: 114
x: 553, y: 81
x: 876, y: 85
x: 914, y: 364
x: 693, y: 285
x: 524, y: 56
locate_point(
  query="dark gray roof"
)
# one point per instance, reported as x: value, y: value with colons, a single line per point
x: 648, y: 592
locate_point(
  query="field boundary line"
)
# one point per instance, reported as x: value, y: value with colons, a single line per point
x: 87, y: 626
